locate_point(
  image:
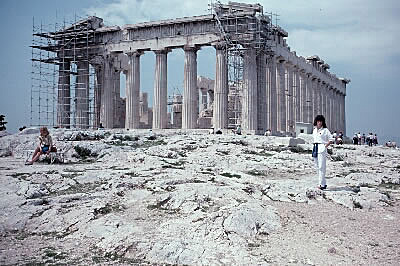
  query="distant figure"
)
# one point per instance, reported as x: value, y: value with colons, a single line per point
x: 267, y: 133
x: 151, y: 135
x: 369, y: 139
x: 340, y: 138
x: 334, y: 135
x: 45, y: 145
x: 322, y: 139
x: 363, y: 139
x: 355, y: 139
x: 359, y: 138
x: 101, y: 126
x: 238, y: 130
x: 375, y: 140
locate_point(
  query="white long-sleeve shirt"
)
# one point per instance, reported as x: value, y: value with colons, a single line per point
x: 322, y: 136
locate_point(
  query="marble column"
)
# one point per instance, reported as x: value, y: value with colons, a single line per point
x: 82, y: 95
x: 337, y: 112
x: 343, y: 108
x: 221, y: 89
x: 272, y: 106
x: 324, y: 94
x: 117, y: 97
x: 132, y: 114
x: 329, y: 106
x: 303, y: 97
x: 314, y: 97
x: 281, y: 96
x: 319, y: 89
x: 160, y: 90
x: 107, y: 95
x: 190, y: 108
x: 289, y: 93
x: 64, y: 95
x: 297, y: 98
x: 249, y: 99
x: 97, y: 95
x: 261, y: 92
x: 321, y: 99
x: 309, y: 97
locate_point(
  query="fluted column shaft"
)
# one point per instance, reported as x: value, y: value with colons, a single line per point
x: 221, y: 89
x: 336, y: 110
x: 97, y: 95
x: 303, y: 97
x: 160, y: 91
x: 323, y: 99
x: 343, y: 107
x: 64, y: 95
x: 82, y: 95
x: 289, y: 92
x: 190, y: 106
x: 117, y: 97
x: 309, y: 98
x: 132, y: 114
x: 314, y: 98
x: 249, y: 100
x: 107, y: 99
x: 319, y: 89
x: 297, y: 98
x: 281, y: 97
x: 261, y: 96
x: 272, y: 98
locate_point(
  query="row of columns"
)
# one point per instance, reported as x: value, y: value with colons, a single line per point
x: 81, y: 98
x: 276, y: 94
x: 297, y: 96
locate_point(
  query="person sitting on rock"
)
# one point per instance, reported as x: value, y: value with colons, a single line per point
x: 238, y: 130
x: 45, y: 145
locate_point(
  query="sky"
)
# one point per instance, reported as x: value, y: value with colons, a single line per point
x: 359, y: 39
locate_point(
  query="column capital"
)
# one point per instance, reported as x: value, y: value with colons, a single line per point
x: 162, y: 51
x: 219, y: 45
x: 134, y: 53
x: 188, y: 48
x: 280, y: 59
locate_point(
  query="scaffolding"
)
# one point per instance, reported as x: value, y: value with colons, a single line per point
x: 243, y: 27
x: 63, y: 81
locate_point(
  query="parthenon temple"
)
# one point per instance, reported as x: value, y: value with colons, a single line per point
x: 260, y: 83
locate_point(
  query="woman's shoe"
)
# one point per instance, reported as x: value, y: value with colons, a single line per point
x: 28, y: 163
x: 322, y: 187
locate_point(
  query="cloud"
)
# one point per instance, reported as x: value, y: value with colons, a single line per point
x: 129, y: 12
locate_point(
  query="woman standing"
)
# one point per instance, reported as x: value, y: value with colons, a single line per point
x: 322, y: 139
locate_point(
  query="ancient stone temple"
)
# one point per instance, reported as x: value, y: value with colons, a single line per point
x: 260, y: 83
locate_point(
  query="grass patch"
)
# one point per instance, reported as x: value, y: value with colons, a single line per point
x: 231, y: 175
x: 357, y: 205
x: 255, y: 172
x: 261, y: 153
x: 132, y: 174
x: 83, y: 152
x: 159, y: 205
x: 109, y: 208
x: 344, y: 148
x: 20, y: 175
x: 175, y: 165
x: 78, y: 188
x: 51, y: 252
x: 300, y: 150
x: 389, y: 185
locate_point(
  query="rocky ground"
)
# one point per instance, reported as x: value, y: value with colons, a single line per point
x: 194, y: 198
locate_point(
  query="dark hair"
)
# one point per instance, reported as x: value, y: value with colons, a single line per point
x: 320, y: 118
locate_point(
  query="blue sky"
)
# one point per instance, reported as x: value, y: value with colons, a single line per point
x: 358, y: 39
